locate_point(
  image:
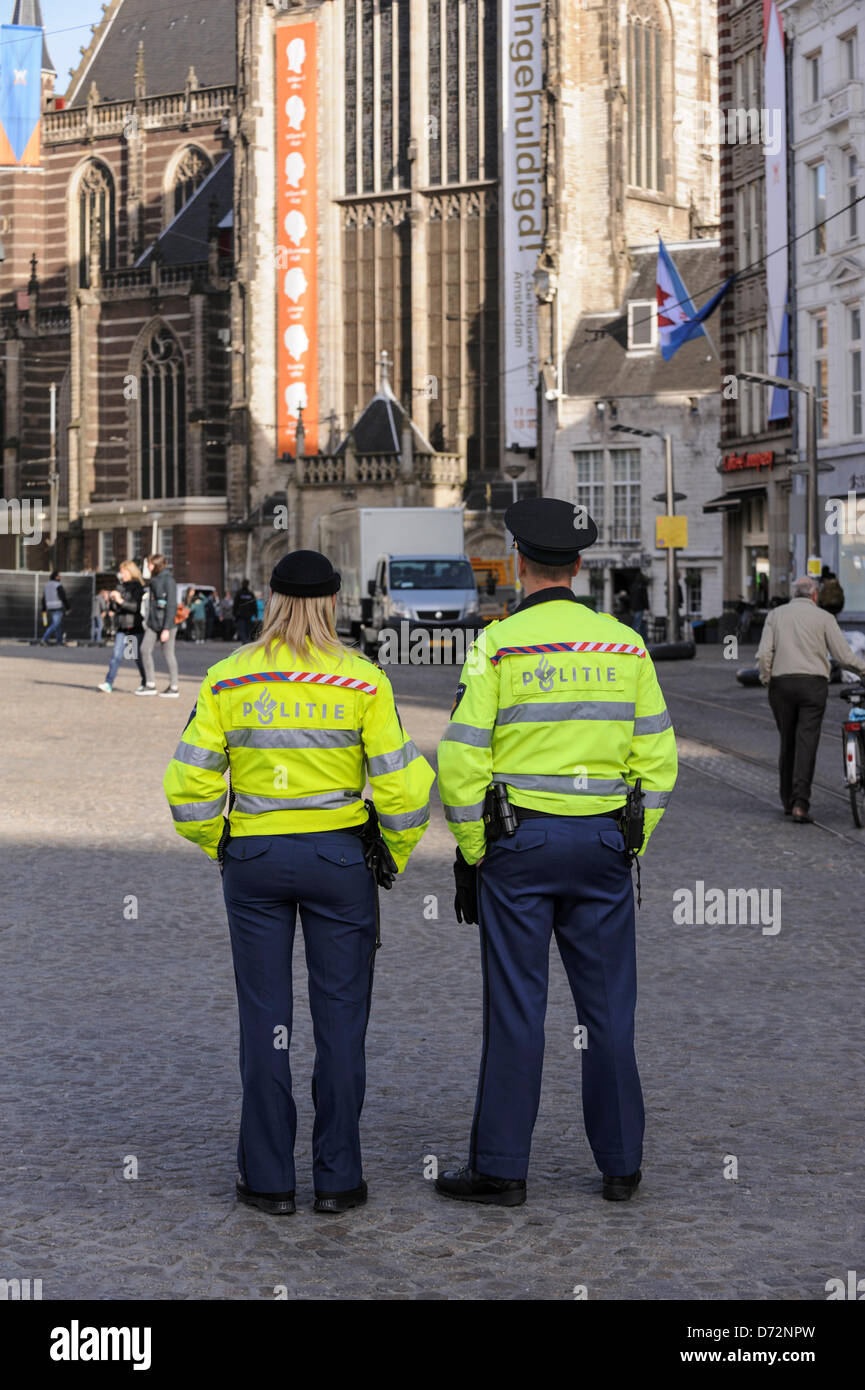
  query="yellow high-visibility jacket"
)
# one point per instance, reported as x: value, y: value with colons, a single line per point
x: 563, y: 706
x: 300, y: 738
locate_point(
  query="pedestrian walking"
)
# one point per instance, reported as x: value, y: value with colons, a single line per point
x: 160, y: 629
x: 184, y: 612
x: 98, y: 611
x: 198, y: 609
x: 793, y: 661
x: 226, y: 616
x: 125, y: 602
x: 245, y: 611
x: 558, y: 724
x: 300, y: 721
x: 638, y: 602
x: 745, y: 612
x: 621, y: 607
x: 831, y: 595
x: 55, y: 606
x: 211, y: 616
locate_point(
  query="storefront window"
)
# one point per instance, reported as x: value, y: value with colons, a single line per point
x: 851, y: 555
x: 694, y: 593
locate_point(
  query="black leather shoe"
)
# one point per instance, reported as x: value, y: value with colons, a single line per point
x: 466, y: 1185
x: 277, y: 1203
x: 621, y: 1189
x: 333, y: 1203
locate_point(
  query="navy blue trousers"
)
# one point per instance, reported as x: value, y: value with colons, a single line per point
x: 266, y: 879
x: 565, y: 876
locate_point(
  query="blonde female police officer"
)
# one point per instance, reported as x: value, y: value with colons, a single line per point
x: 300, y: 720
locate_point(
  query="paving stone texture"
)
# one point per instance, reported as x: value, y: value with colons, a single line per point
x: 120, y: 1036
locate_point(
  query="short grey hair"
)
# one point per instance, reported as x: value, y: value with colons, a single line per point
x: 805, y: 587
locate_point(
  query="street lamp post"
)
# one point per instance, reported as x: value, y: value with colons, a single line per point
x: 672, y: 586
x: 53, y: 480
x: 514, y: 471
x: 810, y: 393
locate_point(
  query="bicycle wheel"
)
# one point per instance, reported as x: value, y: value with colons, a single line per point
x: 857, y: 788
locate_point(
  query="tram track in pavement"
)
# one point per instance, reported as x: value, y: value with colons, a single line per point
x: 723, y: 759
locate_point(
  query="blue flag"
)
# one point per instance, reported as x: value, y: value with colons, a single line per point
x: 678, y: 320
x: 20, y: 94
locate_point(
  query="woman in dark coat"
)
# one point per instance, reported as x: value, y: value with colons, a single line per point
x: 125, y: 604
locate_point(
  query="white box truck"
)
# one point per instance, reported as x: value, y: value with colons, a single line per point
x: 400, y: 565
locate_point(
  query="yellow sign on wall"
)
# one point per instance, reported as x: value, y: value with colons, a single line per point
x: 671, y: 532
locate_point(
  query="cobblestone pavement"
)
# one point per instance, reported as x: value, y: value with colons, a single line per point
x: 120, y: 1037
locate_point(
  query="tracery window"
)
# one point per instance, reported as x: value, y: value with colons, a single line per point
x: 191, y: 171
x: 162, y: 417
x: 96, y: 220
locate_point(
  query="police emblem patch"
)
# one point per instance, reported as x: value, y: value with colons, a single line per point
x: 461, y: 690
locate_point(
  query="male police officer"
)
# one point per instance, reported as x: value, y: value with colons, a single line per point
x: 561, y: 707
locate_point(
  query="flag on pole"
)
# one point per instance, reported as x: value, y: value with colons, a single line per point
x: 678, y: 320
x: 20, y: 94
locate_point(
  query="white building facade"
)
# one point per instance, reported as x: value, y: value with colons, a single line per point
x: 827, y: 95
x: 615, y: 378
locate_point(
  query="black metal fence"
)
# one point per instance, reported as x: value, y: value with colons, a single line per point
x: 21, y: 597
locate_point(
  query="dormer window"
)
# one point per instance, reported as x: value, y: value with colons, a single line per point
x: 642, y: 325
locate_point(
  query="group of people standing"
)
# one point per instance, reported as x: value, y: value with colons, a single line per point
x: 226, y: 619
x: 632, y: 605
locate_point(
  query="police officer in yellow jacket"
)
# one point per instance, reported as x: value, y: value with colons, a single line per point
x: 300, y: 721
x: 560, y: 707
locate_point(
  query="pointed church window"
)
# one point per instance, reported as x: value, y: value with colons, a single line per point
x: 192, y: 169
x: 97, y: 222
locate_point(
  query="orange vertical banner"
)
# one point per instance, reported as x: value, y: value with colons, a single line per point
x: 297, y: 234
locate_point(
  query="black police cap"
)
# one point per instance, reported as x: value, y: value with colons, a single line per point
x: 305, y: 574
x: 549, y: 531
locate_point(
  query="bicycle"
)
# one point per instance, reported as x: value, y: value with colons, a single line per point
x: 854, y: 750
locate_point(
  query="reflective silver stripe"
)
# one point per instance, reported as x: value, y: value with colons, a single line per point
x: 656, y: 801
x: 214, y: 760
x: 392, y: 762
x: 199, y: 810
x: 595, y: 786
x: 467, y: 733
x: 459, y: 815
x: 292, y: 738
x: 652, y: 723
x: 570, y: 709
x: 324, y: 801
x: 407, y: 820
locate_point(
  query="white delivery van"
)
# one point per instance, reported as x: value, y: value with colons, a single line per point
x: 400, y: 565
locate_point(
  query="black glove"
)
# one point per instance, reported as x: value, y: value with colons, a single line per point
x: 379, y: 859
x: 380, y: 862
x: 466, y: 880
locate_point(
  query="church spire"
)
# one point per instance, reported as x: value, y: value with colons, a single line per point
x: 29, y: 12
